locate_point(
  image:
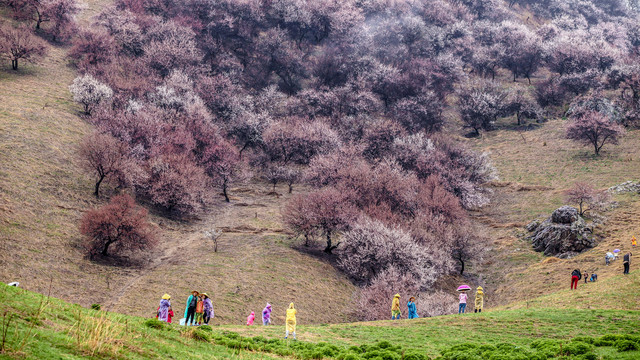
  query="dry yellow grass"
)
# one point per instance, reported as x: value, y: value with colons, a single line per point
x: 44, y: 191
x: 535, y: 168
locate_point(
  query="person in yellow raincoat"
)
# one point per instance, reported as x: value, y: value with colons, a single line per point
x: 634, y: 242
x: 291, y: 321
x: 479, y: 303
x: 395, y: 307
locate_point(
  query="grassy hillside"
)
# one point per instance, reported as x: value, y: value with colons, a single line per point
x: 47, y: 328
x: 44, y: 192
x: 535, y: 168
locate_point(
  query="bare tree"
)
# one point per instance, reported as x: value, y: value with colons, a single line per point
x: 104, y: 155
x: 19, y: 44
x: 214, y: 235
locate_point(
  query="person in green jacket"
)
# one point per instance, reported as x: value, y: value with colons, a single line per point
x: 190, y: 309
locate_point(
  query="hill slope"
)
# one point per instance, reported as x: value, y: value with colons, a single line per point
x: 46, y: 328
x: 536, y: 167
x: 44, y: 191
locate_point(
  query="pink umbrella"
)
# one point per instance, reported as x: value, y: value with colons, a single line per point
x: 462, y: 288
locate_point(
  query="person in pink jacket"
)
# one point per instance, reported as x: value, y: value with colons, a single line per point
x: 250, y: 318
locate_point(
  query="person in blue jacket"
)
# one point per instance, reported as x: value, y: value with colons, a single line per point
x: 413, y: 312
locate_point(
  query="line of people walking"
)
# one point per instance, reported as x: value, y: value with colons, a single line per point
x: 199, y: 311
x: 396, y: 313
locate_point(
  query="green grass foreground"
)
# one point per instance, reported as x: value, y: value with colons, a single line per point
x: 36, y: 327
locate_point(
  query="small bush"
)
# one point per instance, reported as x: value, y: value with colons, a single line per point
x: 577, y: 348
x: 584, y: 339
x: 154, y: 324
x: 609, y: 340
x: 199, y: 335
x: 626, y: 345
x: 206, y: 328
x: 414, y: 355
x: 95, y: 307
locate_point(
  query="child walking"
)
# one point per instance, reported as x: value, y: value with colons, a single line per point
x: 169, y: 315
x: 199, y: 310
x: 463, y: 302
x: 291, y: 322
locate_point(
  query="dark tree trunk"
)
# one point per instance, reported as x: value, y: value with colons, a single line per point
x: 461, y: 265
x: 14, y: 64
x: 106, y: 247
x: 97, y: 189
x: 241, y: 150
x: 330, y: 247
x: 224, y: 192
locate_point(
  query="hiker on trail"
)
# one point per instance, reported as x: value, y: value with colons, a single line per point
x: 411, y: 305
x: 634, y: 242
x: 626, y: 261
x: 479, y: 301
x: 165, y: 306
x: 208, y: 309
x: 575, y: 277
x: 199, y: 310
x: 251, y: 318
x: 266, y: 315
x: 291, y: 322
x: 463, y: 302
x: 190, y: 310
x: 395, y: 308
x: 586, y: 277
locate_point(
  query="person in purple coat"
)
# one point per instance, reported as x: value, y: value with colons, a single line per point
x: 208, y: 309
x: 266, y: 315
x: 163, y: 310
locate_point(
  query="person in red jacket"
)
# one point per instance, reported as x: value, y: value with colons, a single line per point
x: 575, y: 277
x: 169, y: 315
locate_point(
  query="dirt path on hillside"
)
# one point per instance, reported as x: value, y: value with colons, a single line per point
x: 255, y: 263
x: 189, y: 237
